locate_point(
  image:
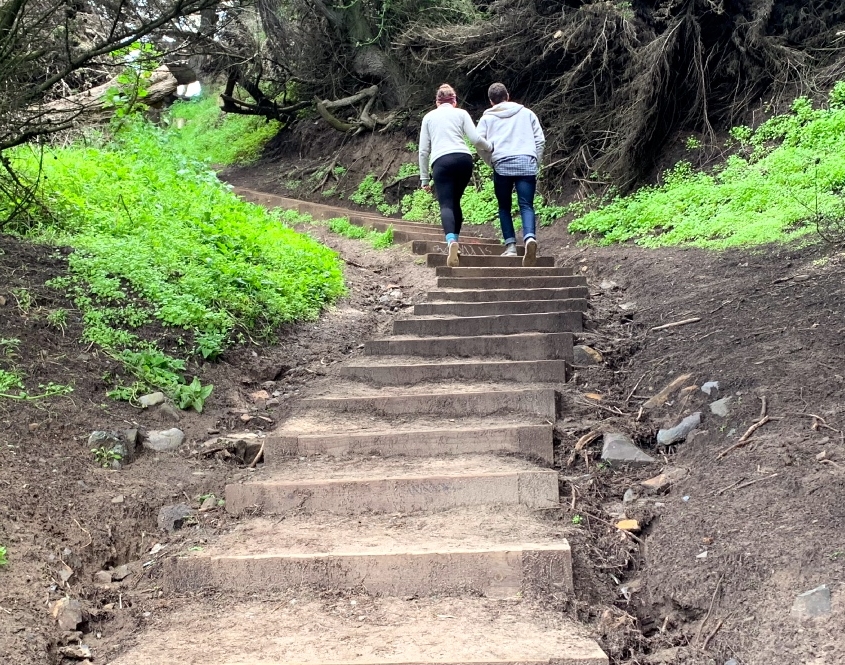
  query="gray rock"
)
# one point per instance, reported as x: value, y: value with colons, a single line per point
x: 628, y: 306
x: 164, y: 441
x: 630, y: 496
x: 102, y: 577
x: 67, y: 612
x: 170, y: 412
x: 619, y: 450
x: 153, y: 399
x: 721, y: 407
x: 585, y: 355
x: 75, y: 651
x: 732, y: 661
x: 171, y: 518
x: 608, y: 285
x: 103, y: 439
x: 813, y: 603
x: 122, y: 572
x: 680, y: 431
x: 709, y: 387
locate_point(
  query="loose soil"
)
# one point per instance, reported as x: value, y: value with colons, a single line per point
x: 771, y: 326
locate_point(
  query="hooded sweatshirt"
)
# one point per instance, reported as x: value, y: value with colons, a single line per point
x: 442, y: 133
x: 513, y: 131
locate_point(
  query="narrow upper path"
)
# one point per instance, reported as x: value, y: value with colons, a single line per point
x: 413, y: 489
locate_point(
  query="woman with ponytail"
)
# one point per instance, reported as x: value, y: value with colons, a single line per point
x: 445, y: 158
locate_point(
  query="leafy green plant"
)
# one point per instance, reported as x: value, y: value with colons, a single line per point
x: 407, y: 170
x: 105, y: 456
x: 138, y: 60
x: 4, y: 558
x: 370, y: 192
x: 216, y: 137
x: 58, y: 319
x: 23, y: 298
x: 411, y: 146
x: 692, y: 143
x: 192, y: 395
x: 215, y: 269
x: 783, y: 182
x: 420, y: 206
x: 378, y: 239
x: 577, y: 519
x: 9, y: 381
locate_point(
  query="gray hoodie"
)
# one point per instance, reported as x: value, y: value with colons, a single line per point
x: 512, y: 130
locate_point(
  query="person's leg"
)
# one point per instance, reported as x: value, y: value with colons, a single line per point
x: 503, y: 187
x: 444, y: 189
x: 462, y: 175
x: 526, y: 186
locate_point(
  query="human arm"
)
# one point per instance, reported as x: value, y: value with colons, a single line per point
x: 425, y: 152
x: 486, y: 155
x: 539, y: 138
x: 481, y: 144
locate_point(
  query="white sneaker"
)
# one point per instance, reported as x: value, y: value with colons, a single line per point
x: 530, y: 258
x: 510, y: 250
x: 453, y: 259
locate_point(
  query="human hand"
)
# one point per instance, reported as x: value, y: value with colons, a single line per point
x: 427, y: 188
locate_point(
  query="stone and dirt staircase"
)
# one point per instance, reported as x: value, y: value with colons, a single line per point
x: 418, y: 485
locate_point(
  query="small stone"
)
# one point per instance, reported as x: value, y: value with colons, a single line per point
x: 670, y: 476
x: 709, y: 387
x: 680, y: 431
x: 585, y: 355
x: 103, y: 577
x: 103, y: 439
x: 630, y: 496
x: 67, y: 612
x: 245, y: 417
x: 77, y: 651
x: 70, y: 637
x: 628, y: 525
x: 628, y: 306
x: 2, y: 301
x: 608, y: 285
x: 65, y: 573
x: 619, y: 450
x: 813, y: 603
x: 164, y: 441
x: 118, y: 499
x: 153, y: 399
x: 822, y: 455
x: 732, y: 661
x: 170, y: 412
x: 121, y: 572
x: 272, y: 402
x: 171, y: 518
x: 259, y: 395
x: 210, y: 503
x: 721, y: 407
x: 33, y: 426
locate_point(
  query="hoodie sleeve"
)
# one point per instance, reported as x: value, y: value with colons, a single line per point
x: 486, y: 155
x: 475, y: 138
x: 539, y: 138
x: 425, y: 152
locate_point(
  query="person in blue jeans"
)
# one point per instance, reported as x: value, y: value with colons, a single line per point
x: 517, y: 139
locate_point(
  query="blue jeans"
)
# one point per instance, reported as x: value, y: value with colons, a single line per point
x: 526, y: 186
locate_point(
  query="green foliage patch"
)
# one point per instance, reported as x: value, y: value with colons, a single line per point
x: 783, y: 177
x: 4, y: 559
x: 216, y: 137
x: 378, y: 239
x: 160, y: 244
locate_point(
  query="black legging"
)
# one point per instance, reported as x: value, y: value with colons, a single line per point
x: 451, y: 174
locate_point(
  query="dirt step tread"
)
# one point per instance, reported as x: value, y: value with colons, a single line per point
x: 294, y: 628
x: 314, y: 421
x: 540, y: 401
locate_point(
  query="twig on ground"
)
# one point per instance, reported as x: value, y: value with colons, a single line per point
x: 710, y: 609
x: 581, y: 444
x: 712, y: 635
x: 763, y: 407
x: 601, y: 407
x: 745, y: 437
x: 675, y: 324
x: 634, y: 389
x: 713, y: 311
x: 757, y: 480
x: 660, y: 398
x: 257, y: 455
x: 725, y: 489
x: 87, y: 532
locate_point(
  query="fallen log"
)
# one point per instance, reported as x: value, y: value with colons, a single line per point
x: 95, y: 106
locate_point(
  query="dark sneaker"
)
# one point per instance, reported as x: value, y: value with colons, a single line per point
x: 530, y: 258
x: 453, y: 259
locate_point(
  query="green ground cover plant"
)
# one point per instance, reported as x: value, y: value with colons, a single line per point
x: 784, y: 180
x: 160, y: 244
x: 378, y: 239
x: 4, y: 559
x: 215, y: 137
